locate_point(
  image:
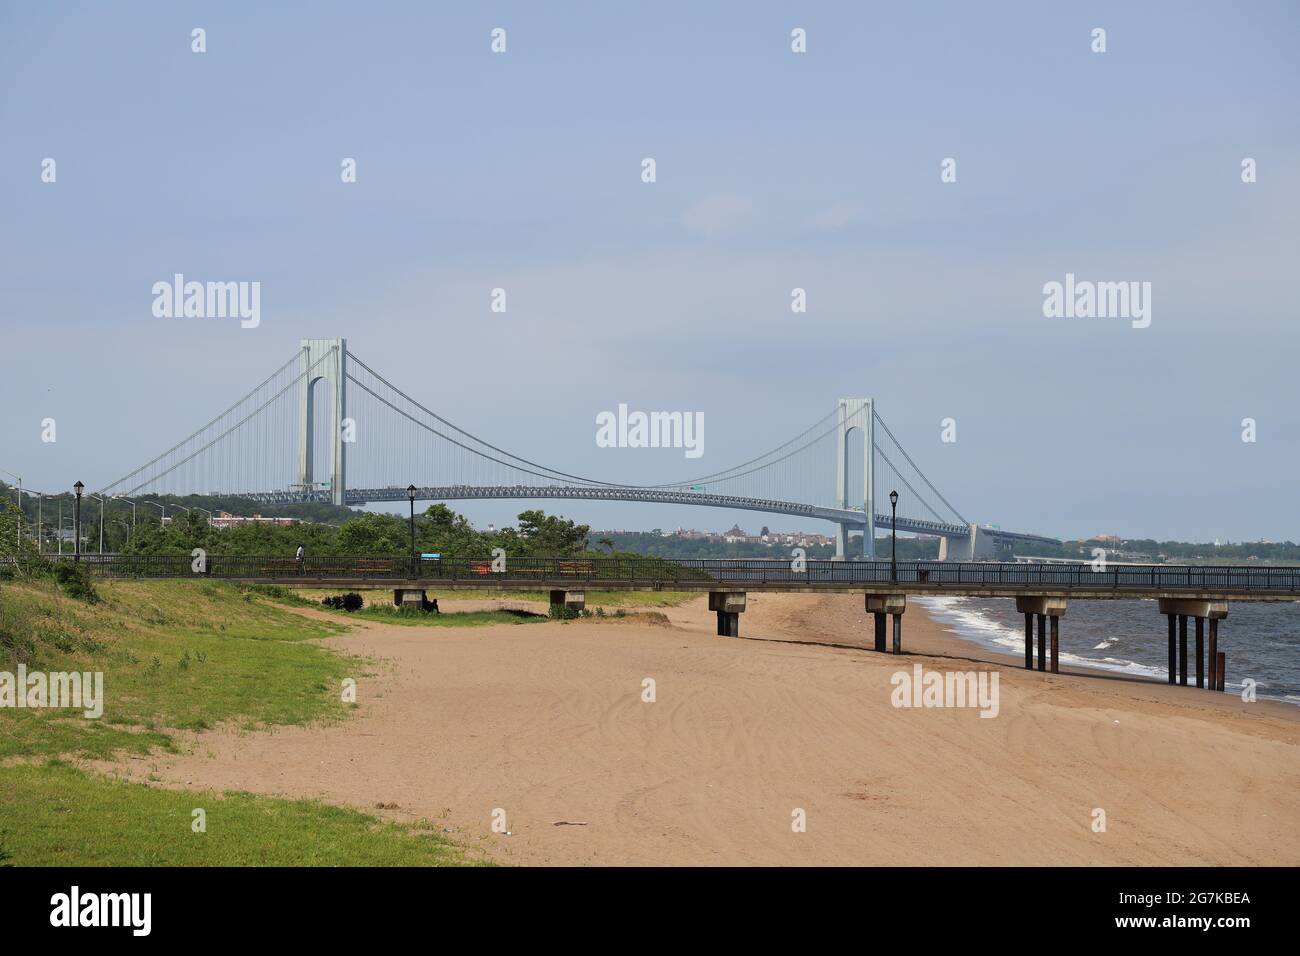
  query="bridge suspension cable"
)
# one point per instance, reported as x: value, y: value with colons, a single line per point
x: 727, y: 472
x: 527, y: 465
x: 546, y: 471
x: 927, y: 481
x: 433, y: 431
x: 265, y: 457
x: 192, y: 453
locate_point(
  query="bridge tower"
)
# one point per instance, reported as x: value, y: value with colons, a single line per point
x: 331, y: 354
x: 856, y: 413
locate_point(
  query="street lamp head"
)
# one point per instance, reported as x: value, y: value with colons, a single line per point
x: 78, y: 487
x: 410, y: 492
x: 893, y: 499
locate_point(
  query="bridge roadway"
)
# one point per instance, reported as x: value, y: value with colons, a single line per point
x: 968, y: 579
x: 849, y: 516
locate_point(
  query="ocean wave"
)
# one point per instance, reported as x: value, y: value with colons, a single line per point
x: 970, y: 622
x: 966, y: 619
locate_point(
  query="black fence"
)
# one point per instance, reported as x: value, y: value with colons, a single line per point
x: 700, y: 572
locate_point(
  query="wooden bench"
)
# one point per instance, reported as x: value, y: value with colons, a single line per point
x: 575, y: 567
x: 282, y: 566
x: 374, y: 565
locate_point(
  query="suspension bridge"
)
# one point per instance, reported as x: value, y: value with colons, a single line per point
x: 326, y: 427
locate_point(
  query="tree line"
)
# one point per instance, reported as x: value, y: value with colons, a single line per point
x: 438, y: 529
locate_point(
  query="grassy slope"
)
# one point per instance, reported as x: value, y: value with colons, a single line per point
x: 175, y: 655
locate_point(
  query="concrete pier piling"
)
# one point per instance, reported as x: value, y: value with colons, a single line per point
x: 1178, y: 610
x: 1173, y: 647
x: 414, y: 597
x: 1200, y: 652
x: 1214, y: 654
x: 729, y: 605
x: 1042, y: 608
x: 882, y: 604
x: 1056, y: 644
x: 1182, y: 650
x: 574, y: 600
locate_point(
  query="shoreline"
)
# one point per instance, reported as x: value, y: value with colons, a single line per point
x: 1134, y: 671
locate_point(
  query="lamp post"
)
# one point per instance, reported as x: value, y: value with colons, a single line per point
x: 132, y: 504
x: 76, y: 521
x: 893, y: 536
x: 162, y: 521
x: 410, y: 494
x: 176, y: 507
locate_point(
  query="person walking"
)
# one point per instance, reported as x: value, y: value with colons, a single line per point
x: 299, y: 557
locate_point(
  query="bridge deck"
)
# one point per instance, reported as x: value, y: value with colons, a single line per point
x: 506, y: 583
x: 978, y: 579
x: 679, y: 496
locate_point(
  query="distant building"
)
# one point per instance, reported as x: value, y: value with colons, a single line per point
x: 224, y: 519
x: 738, y: 536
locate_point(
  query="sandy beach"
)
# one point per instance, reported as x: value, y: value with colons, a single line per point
x: 546, y: 723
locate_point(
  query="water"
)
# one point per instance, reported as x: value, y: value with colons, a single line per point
x: 1261, y: 641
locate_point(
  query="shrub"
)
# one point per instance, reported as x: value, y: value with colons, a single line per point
x: 352, y: 601
x: 75, y: 583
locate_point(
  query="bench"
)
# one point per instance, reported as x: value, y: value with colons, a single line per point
x: 374, y: 566
x: 282, y: 566
x: 575, y: 567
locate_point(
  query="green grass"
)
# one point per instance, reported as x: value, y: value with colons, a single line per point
x: 56, y: 815
x: 418, y: 618
x: 175, y: 655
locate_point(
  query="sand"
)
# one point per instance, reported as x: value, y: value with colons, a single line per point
x: 546, y: 723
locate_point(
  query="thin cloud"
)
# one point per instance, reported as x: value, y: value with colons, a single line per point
x: 719, y: 215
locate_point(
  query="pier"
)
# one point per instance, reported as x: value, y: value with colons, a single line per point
x: 1041, y: 591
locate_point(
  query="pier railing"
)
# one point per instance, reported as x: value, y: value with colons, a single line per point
x: 701, y: 573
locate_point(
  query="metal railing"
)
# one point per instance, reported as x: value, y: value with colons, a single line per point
x: 698, y: 573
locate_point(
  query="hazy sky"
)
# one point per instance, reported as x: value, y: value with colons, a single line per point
x: 775, y: 170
